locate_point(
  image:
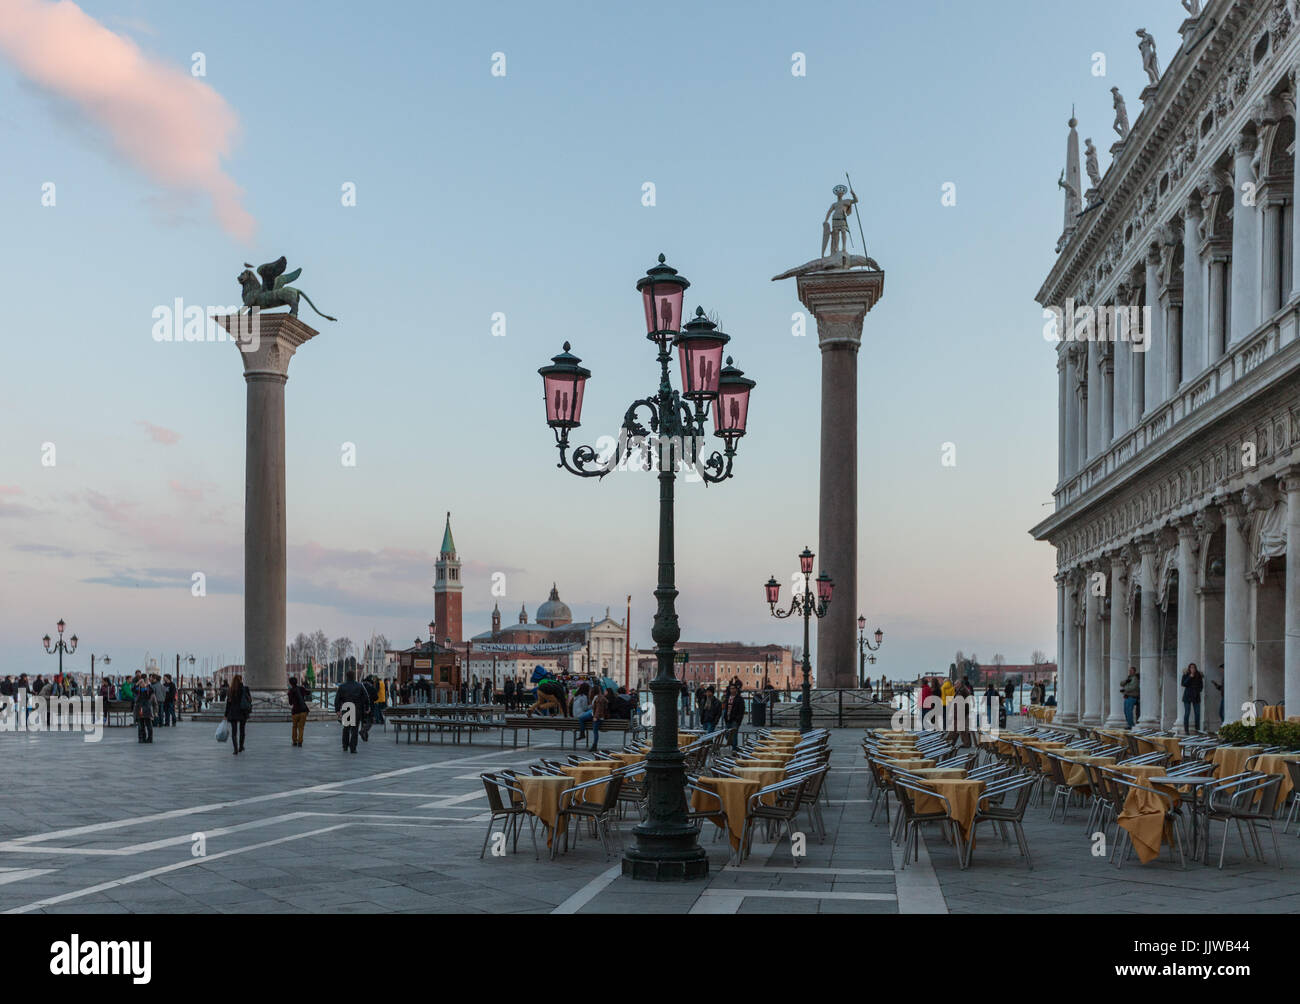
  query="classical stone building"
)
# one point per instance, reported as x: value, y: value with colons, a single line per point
x: 1178, y: 495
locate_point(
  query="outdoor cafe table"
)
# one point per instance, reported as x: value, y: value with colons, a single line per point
x: 628, y: 759
x: 1272, y: 713
x: 940, y: 773
x: 1161, y: 744
x: 734, y: 792
x: 1191, y: 789
x: 765, y: 776
x: 1230, y: 760
x: 542, y: 799
x: 1073, y: 767
x: 963, y: 797
x: 1275, y: 763
x: 746, y: 761
x: 1143, y: 816
x: 590, y: 771
x: 907, y: 764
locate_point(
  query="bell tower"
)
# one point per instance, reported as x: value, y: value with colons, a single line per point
x: 496, y: 618
x: 447, y: 589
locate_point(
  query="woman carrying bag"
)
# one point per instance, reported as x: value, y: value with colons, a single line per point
x: 239, y: 705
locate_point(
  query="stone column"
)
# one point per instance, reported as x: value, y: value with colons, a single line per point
x: 1217, y: 322
x: 1094, y: 646
x: 1193, y: 320
x: 1095, y: 445
x: 1172, y: 302
x: 1271, y: 257
x: 1153, y: 368
x: 1119, y: 635
x: 1245, y: 245
x: 1107, y: 395
x: 1290, y: 484
x: 1189, y: 625
x: 1060, y: 635
x: 265, y: 348
x: 1123, y: 357
x: 839, y: 300
x: 1149, y: 662
x: 1236, y: 612
x: 1067, y: 684
x: 1063, y: 400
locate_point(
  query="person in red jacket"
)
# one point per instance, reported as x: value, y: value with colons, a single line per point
x: 925, y: 693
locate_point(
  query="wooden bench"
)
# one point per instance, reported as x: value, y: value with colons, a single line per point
x: 414, y: 726
x: 556, y: 723
x: 119, y: 713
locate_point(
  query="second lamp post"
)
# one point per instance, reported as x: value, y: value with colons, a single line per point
x: 808, y: 604
x: 666, y: 844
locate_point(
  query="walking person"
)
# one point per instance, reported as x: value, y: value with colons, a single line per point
x: 239, y: 705
x: 1010, y: 691
x: 599, y: 712
x: 733, y: 713
x: 508, y: 688
x: 582, y: 709
x: 169, y: 700
x: 1192, y: 683
x: 711, y: 711
x: 1218, y: 685
x: 299, y: 698
x: 144, y: 708
x: 1131, y: 689
x: 351, y: 704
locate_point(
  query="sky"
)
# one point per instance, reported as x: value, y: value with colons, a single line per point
x: 129, y: 179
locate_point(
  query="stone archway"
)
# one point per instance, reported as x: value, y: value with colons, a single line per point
x: 1210, y: 596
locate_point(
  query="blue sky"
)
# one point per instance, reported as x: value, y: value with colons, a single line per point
x: 521, y: 194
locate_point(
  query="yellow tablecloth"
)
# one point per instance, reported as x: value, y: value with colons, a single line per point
x: 765, y: 776
x: 1073, y: 770
x: 1143, y: 816
x: 1161, y: 744
x: 628, y: 759
x: 734, y: 793
x: 1275, y: 763
x: 542, y: 799
x: 582, y: 773
x: 1230, y: 760
x: 963, y: 797
x: 760, y: 762
x: 941, y: 773
x: 1044, y: 744
x: 1272, y: 713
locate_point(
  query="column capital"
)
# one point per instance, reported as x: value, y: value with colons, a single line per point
x: 1187, y: 528
x: 1207, y: 521
x: 266, y: 342
x: 1231, y: 507
x: 1243, y: 144
x: 1148, y: 544
x: 840, y: 301
x: 1288, y: 479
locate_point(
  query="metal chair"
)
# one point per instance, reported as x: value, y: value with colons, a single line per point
x: 1172, y: 819
x: 787, y: 796
x: 1293, y: 769
x: 600, y: 813
x: 911, y: 820
x: 992, y: 809
x: 511, y: 812
x: 1253, y: 802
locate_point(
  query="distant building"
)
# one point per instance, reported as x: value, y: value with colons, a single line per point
x: 718, y: 662
x: 1043, y: 672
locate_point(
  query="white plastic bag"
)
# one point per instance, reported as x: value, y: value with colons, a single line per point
x: 223, y: 731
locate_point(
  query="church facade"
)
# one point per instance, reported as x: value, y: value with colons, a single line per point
x: 1175, y: 299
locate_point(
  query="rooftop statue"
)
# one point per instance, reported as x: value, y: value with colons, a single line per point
x: 1121, y: 114
x: 835, y: 233
x: 1147, y: 46
x: 273, y: 289
x: 1090, y: 161
x: 1193, y: 7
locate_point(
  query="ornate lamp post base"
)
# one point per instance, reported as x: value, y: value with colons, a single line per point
x: 668, y: 858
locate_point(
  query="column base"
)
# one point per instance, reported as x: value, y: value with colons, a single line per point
x: 661, y: 869
x: 1069, y: 718
x: 1091, y: 721
x: 1116, y: 722
x: 1148, y: 723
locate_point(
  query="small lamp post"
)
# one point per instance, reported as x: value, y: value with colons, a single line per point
x: 60, y: 646
x: 667, y: 847
x: 865, y: 646
x: 806, y: 604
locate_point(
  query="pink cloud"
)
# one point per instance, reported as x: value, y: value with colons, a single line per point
x: 10, y: 490
x: 173, y: 127
x: 159, y: 434
x: 116, y: 512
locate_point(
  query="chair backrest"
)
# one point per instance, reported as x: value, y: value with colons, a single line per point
x: 492, y: 786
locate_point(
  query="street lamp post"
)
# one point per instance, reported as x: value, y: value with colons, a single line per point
x: 865, y: 646
x: 806, y: 604
x: 60, y: 646
x: 107, y: 662
x: 667, y: 847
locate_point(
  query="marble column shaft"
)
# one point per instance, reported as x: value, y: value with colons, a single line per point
x: 1094, y: 650
x: 1236, y: 614
x: 1067, y: 682
x: 1189, y: 628
x: 1245, y: 245
x: 1119, y: 640
x: 1149, y: 661
x: 1291, y: 651
x: 1194, y: 279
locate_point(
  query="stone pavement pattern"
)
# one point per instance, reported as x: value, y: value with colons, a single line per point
x: 111, y: 827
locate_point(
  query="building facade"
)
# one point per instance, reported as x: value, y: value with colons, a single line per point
x: 718, y: 662
x: 1176, y: 299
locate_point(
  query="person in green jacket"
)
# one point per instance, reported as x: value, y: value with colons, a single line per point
x: 1131, y: 688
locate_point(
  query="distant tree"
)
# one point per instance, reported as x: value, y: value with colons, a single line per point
x: 1039, y: 658
x: 998, y: 659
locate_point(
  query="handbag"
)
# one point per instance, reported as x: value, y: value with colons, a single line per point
x: 223, y: 731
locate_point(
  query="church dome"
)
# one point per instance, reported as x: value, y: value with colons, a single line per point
x: 554, y: 612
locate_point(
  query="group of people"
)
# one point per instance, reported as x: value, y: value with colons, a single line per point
x: 728, y: 711
x: 1193, y: 684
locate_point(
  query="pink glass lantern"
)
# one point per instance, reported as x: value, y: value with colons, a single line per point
x: 732, y: 410
x: 563, y: 383
x: 880, y: 636
x: 773, y: 589
x: 661, y: 290
x: 805, y: 561
x: 699, y: 350
x: 824, y: 587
